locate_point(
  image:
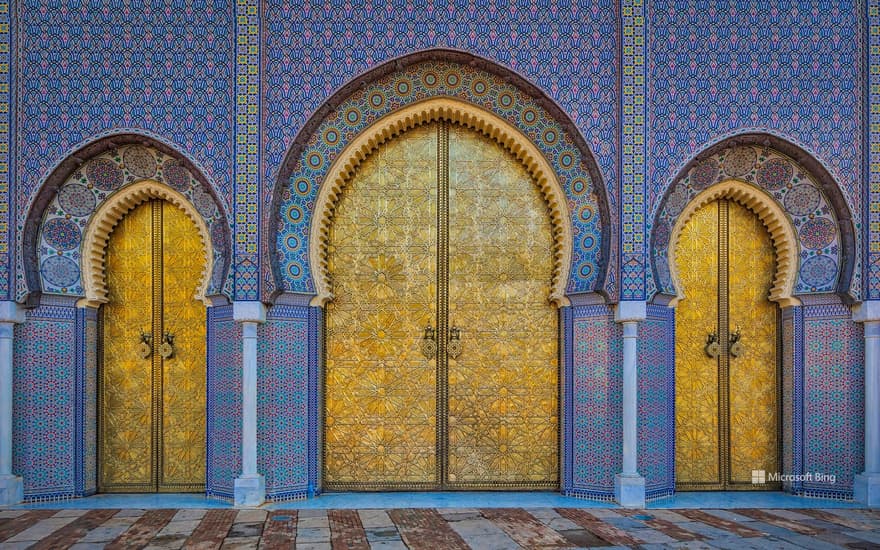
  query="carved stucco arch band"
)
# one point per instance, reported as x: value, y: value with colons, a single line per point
x: 110, y: 213
x: 771, y: 215
x: 432, y: 110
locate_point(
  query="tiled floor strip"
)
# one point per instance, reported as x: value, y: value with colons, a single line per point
x: 140, y: 534
x: 280, y: 531
x: 599, y: 528
x: 426, y: 529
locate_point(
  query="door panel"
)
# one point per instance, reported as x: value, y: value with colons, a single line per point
x: 126, y: 434
x: 430, y: 231
x: 726, y: 407
x: 183, y: 383
x: 753, y: 384
x: 380, y: 423
x: 502, y: 388
x: 152, y: 409
x: 696, y: 375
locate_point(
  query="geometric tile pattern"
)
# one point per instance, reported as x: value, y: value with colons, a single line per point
x: 283, y: 402
x: 794, y: 71
x: 7, y: 167
x: 224, y: 402
x: 656, y: 419
x: 593, y: 403
x: 44, y: 428
x: 414, y: 83
x: 834, y: 397
x: 85, y: 69
x: 570, y: 52
x: 86, y: 190
x: 248, y: 81
x: 632, y: 155
x: 872, y: 177
x: 795, y: 191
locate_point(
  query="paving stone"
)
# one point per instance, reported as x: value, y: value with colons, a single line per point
x: 388, y: 545
x: 70, y: 513
x: 180, y: 527
x: 189, y: 515
x: 109, y: 530
x: 313, y: 546
x: 254, y: 529
x: 42, y: 529
x: 250, y: 516
x: 240, y: 543
x: 869, y: 536
x: 492, y: 542
x: 382, y: 534
x: 724, y: 514
x: 87, y: 546
x: 319, y: 522
x: 668, y: 515
x: 6, y: 514
x: 312, y: 514
x: 372, y: 519
x: 16, y: 545
x: 651, y: 536
x: 313, y: 534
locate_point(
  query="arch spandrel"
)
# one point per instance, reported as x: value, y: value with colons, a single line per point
x: 819, y: 254
x: 91, y: 192
x: 400, y: 89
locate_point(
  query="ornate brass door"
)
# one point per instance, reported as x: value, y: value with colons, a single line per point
x: 726, y: 373
x: 441, y: 362
x: 152, y: 379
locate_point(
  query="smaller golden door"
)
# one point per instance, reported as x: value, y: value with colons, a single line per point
x: 152, y: 374
x: 726, y: 366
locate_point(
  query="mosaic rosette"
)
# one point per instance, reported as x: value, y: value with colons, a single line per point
x: 796, y: 192
x: 72, y: 208
x: 422, y: 81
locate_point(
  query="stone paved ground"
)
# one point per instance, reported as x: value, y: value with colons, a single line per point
x: 428, y: 528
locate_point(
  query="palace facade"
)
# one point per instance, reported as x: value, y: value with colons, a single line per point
x: 611, y: 248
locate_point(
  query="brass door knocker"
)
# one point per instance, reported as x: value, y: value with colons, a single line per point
x: 712, y: 347
x: 166, y: 350
x: 145, y: 348
x: 429, y: 343
x: 736, y: 347
x: 454, y: 348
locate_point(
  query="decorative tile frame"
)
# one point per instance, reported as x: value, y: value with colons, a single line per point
x: 656, y: 405
x: 592, y: 406
x: 224, y: 349
x: 351, y: 113
x: 871, y: 125
x: 826, y: 258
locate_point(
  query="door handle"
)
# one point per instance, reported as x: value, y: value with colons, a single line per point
x: 166, y: 350
x: 736, y: 347
x: 712, y: 347
x: 429, y: 343
x: 454, y: 347
x: 145, y: 348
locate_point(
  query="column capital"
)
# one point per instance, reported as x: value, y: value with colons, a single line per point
x: 630, y: 311
x: 867, y: 311
x: 249, y: 312
x: 11, y: 312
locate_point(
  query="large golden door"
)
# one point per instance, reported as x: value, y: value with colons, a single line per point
x: 726, y: 373
x: 441, y: 363
x: 152, y: 380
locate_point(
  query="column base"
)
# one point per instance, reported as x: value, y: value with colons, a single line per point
x: 11, y: 490
x: 629, y: 490
x: 866, y: 489
x: 250, y: 490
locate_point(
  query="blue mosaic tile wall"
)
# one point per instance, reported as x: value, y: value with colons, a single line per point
x: 224, y: 402
x: 88, y: 69
x: 283, y: 402
x: 833, y: 398
x: 592, y: 375
x: 314, y: 48
x: 791, y: 68
x: 47, y: 447
x: 656, y: 417
x: 872, y: 167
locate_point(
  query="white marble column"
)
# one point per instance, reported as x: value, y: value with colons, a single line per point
x: 250, y: 486
x: 629, y: 486
x: 11, y: 487
x: 866, y: 486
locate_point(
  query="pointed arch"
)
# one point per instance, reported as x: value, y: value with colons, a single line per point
x: 110, y: 213
x: 100, y: 166
x: 399, y: 84
x: 431, y: 110
x: 771, y: 215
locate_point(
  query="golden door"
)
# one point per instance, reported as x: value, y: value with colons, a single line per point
x: 152, y: 379
x: 726, y: 373
x: 441, y: 364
